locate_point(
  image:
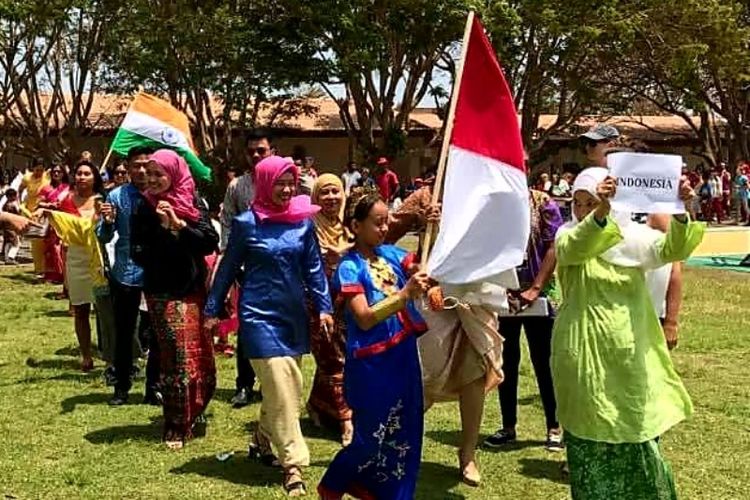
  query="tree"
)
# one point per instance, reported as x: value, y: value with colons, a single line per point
x: 551, y: 53
x: 50, y: 62
x: 690, y: 59
x: 242, y: 55
x: 384, y: 54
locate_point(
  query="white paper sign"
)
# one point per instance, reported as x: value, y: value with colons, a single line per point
x: 646, y: 183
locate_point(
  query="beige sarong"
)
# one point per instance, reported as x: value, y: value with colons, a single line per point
x: 460, y: 346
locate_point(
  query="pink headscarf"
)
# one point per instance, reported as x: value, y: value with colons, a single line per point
x: 267, y: 172
x: 181, y: 193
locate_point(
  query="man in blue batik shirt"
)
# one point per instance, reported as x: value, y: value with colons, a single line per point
x: 125, y: 277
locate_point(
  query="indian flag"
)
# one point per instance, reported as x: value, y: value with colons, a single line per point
x: 155, y: 123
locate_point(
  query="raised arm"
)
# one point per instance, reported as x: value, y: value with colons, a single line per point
x: 586, y: 240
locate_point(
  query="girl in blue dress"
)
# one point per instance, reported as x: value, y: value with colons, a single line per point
x: 382, y: 375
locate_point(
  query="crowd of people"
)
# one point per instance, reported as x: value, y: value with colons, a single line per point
x: 294, y: 274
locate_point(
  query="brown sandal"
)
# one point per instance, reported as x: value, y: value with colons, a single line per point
x: 469, y: 471
x: 260, y: 448
x: 294, y: 483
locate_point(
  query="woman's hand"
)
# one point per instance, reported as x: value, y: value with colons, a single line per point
x: 530, y: 295
x: 167, y: 216
x: 18, y: 223
x: 211, y: 324
x: 605, y: 191
x: 39, y: 213
x: 671, y: 334
x: 417, y: 285
x: 107, y: 212
x: 326, y: 323
x: 432, y: 214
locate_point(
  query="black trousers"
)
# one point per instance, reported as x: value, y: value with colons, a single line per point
x: 148, y: 338
x: 245, y: 373
x: 126, y: 301
x: 539, y: 336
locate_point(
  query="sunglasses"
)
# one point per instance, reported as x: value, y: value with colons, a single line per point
x: 260, y: 151
x: 121, y: 172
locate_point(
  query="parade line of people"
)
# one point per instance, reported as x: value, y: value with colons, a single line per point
x: 322, y: 274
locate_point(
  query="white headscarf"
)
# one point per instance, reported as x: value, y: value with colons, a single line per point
x: 639, y: 247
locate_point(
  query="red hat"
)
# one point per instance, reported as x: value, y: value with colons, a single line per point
x: 382, y: 161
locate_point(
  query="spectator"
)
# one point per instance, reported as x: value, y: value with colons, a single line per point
x: 597, y: 141
x: 387, y: 181
x: 717, y: 204
x: 543, y: 183
x: 741, y: 185
x: 726, y: 188
x: 366, y: 180
x: 351, y: 177
x: 11, y: 238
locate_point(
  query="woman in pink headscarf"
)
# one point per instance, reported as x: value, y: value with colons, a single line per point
x: 170, y: 239
x: 276, y: 244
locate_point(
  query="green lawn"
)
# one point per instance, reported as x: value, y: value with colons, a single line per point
x: 59, y: 439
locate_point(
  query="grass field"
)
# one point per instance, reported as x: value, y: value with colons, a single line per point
x: 59, y: 439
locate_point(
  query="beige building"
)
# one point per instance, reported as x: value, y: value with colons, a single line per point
x: 321, y: 134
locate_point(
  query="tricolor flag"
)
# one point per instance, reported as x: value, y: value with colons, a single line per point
x: 155, y: 123
x: 485, y: 224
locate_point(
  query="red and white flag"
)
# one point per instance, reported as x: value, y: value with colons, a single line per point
x: 485, y: 224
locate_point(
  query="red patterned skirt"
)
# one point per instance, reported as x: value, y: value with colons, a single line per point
x: 187, y: 377
x: 327, y: 396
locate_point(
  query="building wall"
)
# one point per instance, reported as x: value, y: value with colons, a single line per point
x: 331, y: 153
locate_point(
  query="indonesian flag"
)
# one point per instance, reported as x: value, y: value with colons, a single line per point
x: 485, y: 224
x: 155, y: 123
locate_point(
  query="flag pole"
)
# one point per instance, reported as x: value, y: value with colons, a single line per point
x: 109, y: 153
x: 443, y: 160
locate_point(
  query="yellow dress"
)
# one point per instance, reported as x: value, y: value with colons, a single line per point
x: 84, y: 260
x: 33, y: 186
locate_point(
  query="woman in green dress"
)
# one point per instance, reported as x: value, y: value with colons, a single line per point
x: 616, y: 387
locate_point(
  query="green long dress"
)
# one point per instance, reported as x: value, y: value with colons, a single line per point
x: 616, y: 388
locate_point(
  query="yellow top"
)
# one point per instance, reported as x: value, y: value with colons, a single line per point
x: 33, y: 185
x: 74, y: 230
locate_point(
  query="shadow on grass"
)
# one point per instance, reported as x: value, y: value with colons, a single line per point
x: 54, y: 295
x: 54, y: 364
x: 63, y: 377
x: 453, y: 438
x: 328, y: 432
x: 71, y: 350
x: 70, y: 404
x: 146, y: 432
x: 29, y: 279
x: 529, y: 400
x: 550, y: 470
x: 436, y: 479
x: 57, y: 313
x: 237, y: 470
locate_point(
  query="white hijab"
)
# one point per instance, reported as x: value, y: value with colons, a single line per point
x: 639, y: 247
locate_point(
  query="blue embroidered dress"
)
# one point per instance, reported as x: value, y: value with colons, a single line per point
x: 383, y: 386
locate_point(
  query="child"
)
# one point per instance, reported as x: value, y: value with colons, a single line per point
x: 383, y: 383
x: 11, y: 239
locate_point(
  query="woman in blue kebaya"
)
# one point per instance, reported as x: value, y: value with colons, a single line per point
x: 382, y: 375
x: 275, y: 246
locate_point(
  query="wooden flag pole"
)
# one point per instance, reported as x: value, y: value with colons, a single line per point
x: 443, y: 160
